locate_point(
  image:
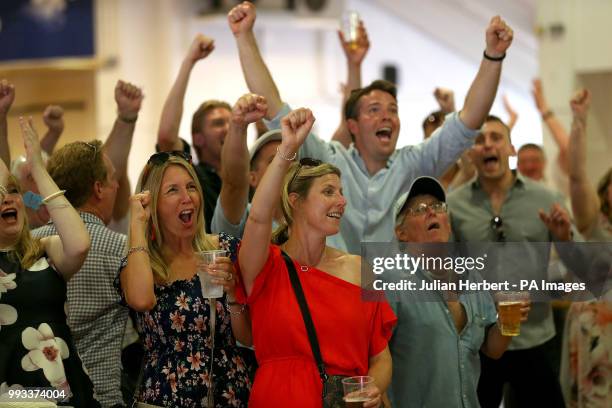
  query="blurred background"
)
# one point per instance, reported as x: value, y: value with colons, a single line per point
x: 71, y: 53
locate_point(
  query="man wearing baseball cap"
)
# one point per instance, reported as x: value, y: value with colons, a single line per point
x: 435, y: 344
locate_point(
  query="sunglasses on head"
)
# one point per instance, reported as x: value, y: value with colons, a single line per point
x: 162, y: 157
x: 497, y: 225
x: 304, y: 162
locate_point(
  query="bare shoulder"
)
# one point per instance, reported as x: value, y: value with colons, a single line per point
x: 346, y: 266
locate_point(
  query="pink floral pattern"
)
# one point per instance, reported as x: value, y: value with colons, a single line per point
x: 176, y: 335
x: 587, y: 366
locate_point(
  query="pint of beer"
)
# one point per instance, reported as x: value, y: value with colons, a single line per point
x: 356, y: 390
x: 509, y: 312
x: 355, y: 402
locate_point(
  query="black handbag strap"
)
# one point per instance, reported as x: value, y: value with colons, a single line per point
x: 310, y: 329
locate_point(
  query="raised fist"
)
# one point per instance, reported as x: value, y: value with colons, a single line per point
x: 538, y: 96
x: 580, y: 103
x: 499, y: 37
x: 248, y: 109
x: 7, y: 96
x: 446, y: 99
x: 200, y: 48
x: 295, y: 128
x: 54, y: 118
x: 129, y: 99
x: 241, y: 18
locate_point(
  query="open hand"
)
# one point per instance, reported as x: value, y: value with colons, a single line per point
x: 558, y: 222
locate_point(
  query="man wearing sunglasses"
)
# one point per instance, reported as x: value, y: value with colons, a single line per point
x: 451, y: 325
x: 374, y: 174
x: 502, y: 205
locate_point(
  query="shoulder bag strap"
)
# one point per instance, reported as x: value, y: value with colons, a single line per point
x: 310, y: 329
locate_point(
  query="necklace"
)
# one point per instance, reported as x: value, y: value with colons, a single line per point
x: 304, y: 268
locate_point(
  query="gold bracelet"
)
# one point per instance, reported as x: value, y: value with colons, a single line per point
x: 137, y: 249
x: 52, y: 196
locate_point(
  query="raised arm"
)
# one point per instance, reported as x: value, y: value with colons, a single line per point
x: 585, y: 202
x: 68, y: 250
x: 7, y: 96
x: 553, y: 124
x: 355, y: 54
x: 137, y: 281
x: 512, y: 115
x: 481, y: 94
x: 258, y: 230
x: 235, y: 156
x: 256, y: 74
x: 54, y: 119
x: 167, y: 135
x: 119, y: 142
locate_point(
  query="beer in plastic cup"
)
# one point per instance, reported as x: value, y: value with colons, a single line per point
x: 209, y: 289
x: 509, y: 311
x: 356, y: 390
x: 350, y: 27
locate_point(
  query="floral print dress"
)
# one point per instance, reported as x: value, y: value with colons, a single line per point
x: 176, y: 336
x: 36, y: 347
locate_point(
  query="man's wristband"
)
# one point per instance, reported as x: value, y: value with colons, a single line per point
x: 128, y: 120
x: 496, y: 59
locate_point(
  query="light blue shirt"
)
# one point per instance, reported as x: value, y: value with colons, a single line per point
x: 433, y: 364
x: 369, y: 214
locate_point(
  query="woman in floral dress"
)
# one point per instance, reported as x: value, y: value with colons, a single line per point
x: 36, y: 347
x: 586, y: 361
x: 159, y: 280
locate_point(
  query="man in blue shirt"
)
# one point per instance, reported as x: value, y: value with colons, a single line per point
x: 374, y: 173
x: 439, y: 333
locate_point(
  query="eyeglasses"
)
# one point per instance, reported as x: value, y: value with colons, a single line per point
x: 497, y: 225
x: 162, y: 157
x: 304, y: 162
x: 423, y: 208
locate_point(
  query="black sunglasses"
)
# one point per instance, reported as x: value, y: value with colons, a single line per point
x: 162, y: 157
x: 497, y: 225
x: 304, y: 162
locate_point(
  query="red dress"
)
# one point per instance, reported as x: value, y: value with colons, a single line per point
x: 349, y: 330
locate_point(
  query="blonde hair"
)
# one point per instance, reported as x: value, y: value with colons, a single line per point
x: 150, y: 179
x: 27, y: 249
x: 298, y: 180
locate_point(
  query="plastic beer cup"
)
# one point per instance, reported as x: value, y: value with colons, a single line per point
x: 209, y: 289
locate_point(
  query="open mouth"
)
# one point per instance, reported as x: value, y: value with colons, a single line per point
x: 186, y: 216
x: 336, y: 215
x: 9, y: 215
x: 384, y: 133
x: 433, y: 226
x: 490, y: 161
